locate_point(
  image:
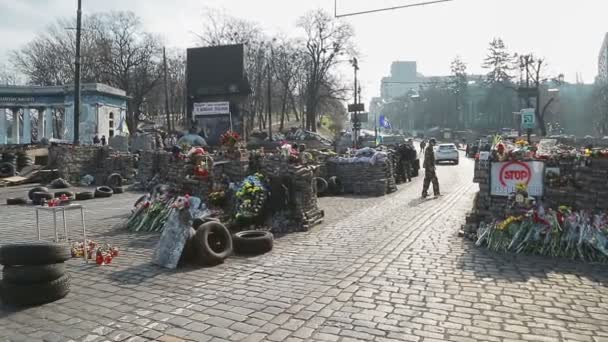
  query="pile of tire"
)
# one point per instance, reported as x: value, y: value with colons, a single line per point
x: 33, y: 273
x: 23, y: 160
x: 115, y: 181
x: 8, y: 167
x: 103, y: 192
x: 208, y: 245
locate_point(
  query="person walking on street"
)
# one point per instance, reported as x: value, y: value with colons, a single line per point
x: 429, y: 171
x: 422, y: 146
x: 96, y: 140
x: 103, y: 140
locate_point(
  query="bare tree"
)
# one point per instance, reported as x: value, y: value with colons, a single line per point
x: 8, y: 76
x: 222, y: 29
x: 49, y: 58
x: 287, y: 61
x: 532, y: 69
x: 130, y: 59
x: 328, y: 41
x: 115, y: 50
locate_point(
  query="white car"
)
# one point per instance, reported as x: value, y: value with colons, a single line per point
x: 446, y: 152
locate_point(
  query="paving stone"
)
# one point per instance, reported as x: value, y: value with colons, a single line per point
x: 362, y: 274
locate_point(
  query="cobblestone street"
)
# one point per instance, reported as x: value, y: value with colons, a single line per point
x: 379, y: 269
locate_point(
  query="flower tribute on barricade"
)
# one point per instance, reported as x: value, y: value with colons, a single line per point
x: 251, y: 195
x: 230, y: 139
x: 150, y: 213
x: 563, y: 233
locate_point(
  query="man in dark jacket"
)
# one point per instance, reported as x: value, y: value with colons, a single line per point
x: 429, y: 170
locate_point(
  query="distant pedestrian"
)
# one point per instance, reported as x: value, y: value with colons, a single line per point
x: 430, y: 176
x: 422, y: 146
x: 103, y: 140
x: 96, y: 139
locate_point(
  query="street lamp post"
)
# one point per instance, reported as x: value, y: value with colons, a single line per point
x: 77, y: 75
x: 355, y: 64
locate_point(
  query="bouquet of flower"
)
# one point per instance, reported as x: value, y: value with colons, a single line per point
x: 230, y: 139
x: 150, y: 214
x: 562, y: 233
x: 217, y: 198
x: 251, y: 197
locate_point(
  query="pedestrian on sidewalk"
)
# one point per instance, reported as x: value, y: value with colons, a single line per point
x: 429, y: 170
x: 422, y: 146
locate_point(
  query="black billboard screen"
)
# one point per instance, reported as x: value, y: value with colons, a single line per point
x: 215, y: 70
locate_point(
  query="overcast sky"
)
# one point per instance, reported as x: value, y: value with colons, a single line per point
x: 567, y: 33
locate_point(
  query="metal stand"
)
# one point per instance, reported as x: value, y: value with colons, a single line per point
x: 63, y: 209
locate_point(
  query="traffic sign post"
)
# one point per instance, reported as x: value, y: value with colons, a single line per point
x: 528, y: 121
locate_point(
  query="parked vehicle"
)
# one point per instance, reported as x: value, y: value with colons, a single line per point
x: 446, y: 152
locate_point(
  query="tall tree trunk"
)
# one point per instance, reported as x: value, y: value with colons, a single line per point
x: 283, y: 109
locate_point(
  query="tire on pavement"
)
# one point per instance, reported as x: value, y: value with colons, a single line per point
x: 114, y: 180
x: 33, y: 274
x: 118, y: 190
x: 34, y: 253
x: 85, y: 195
x: 321, y: 185
x: 41, y: 196
x: 212, y: 244
x: 16, y: 201
x: 7, y: 170
x: 30, y: 194
x: 103, y: 192
x: 253, y: 242
x: 34, y: 294
x: 197, y: 222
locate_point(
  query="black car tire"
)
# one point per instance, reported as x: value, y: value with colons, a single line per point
x: 7, y: 170
x: 85, y: 195
x: 212, y: 244
x: 114, y: 180
x: 30, y: 194
x: 16, y: 201
x: 34, y: 294
x: 456, y: 162
x: 32, y: 274
x: 321, y: 185
x: 118, y: 190
x: 34, y: 253
x: 103, y: 192
x: 69, y: 194
x: 39, y: 197
x: 253, y: 242
x: 197, y: 222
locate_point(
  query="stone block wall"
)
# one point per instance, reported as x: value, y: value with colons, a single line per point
x: 364, y: 178
x: 73, y: 162
x: 160, y: 167
x: 293, y: 195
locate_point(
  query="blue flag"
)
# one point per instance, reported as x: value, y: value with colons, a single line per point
x: 384, y: 122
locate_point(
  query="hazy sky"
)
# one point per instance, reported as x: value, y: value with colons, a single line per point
x: 568, y: 33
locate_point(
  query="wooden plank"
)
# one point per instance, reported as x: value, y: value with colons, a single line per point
x: 14, y: 179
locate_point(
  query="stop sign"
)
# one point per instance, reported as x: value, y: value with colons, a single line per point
x: 515, y: 172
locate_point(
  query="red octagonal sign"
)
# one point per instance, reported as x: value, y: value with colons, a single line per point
x: 515, y: 172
